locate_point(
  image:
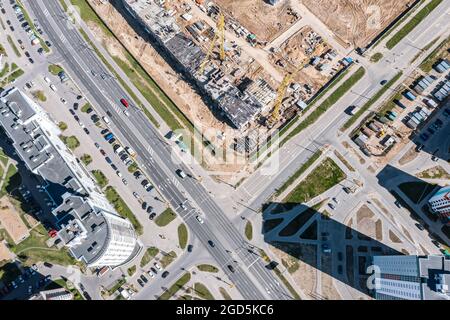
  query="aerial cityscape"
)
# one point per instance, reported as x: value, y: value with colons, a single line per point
x: 232, y: 150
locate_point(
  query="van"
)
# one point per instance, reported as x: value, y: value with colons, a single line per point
x: 106, y: 119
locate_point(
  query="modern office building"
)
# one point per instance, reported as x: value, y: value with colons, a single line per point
x: 54, y: 294
x: 412, y: 277
x: 440, y: 203
x: 79, y: 212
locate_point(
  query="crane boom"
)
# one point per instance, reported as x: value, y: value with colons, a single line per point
x: 218, y: 35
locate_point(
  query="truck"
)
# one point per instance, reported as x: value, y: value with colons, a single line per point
x: 109, y: 136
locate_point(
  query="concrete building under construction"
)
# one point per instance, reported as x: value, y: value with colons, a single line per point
x: 240, y: 107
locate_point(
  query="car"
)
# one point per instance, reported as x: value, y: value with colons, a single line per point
x: 211, y: 243
x: 181, y: 173
x: 137, y: 174
x: 182, y: 206
x: 119, y: 174
x: 75, y: 106
x: 144, y: 205
x: 104, y: 131
x: 113, y: 166
x: 40, y: 50
x: 398, y: 204
x: 199, y: 219
x: 447, y: 112
x: 434, y: 158
x: 149, y: 209
x: 35, y: 267
x: 48, y: 43
x: 340, y: 269
x: 89, y: 110
x: 97, y: 145
x: 86, y: 130
x: 124, y: 157
x: 165, y: 274
x: 231, y: 268
x: 81, y: 124
x: 124, y: 102
x: 335, y: 200
x: 11, y: 28
x: 140, y: 282
x: 136, y: 195
x: 112, y: 141
x: 430, y: 130
x: 151, y: 274
x: 144, y: 182
x: 154, y: 270
x: 157, y: 266
x: 439, y: 122
x: 332, y: 206
x: 383, y: 82
x: 3, y: 10
x: 72, y: 112
x: 76, y: 118
x: 31, y: 60
x: 102, y: 152
x: 326, y: 248
x: 419, y: 147
x: 79, y: 97
x: 27, y: 54
x: 25, y: 24
x: 149, y: 188
x: 436, y: 243
x: 152, y: 216
x: 108, y: 159
x: 143, y: 278
x: 128, y: 162
x: 52, y: 86
x: 419, y: 226
x: 8, y: 22
x: 125, y: 112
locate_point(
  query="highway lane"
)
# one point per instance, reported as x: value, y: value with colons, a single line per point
x: 105, y: 93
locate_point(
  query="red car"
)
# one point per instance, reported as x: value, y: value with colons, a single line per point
x: 124, y: 102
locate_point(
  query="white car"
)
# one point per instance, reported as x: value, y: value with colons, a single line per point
x: 199, y: 219
x: 157, y: 266
x: 52, y: 86
x: 124, y: 181
x: 125, y: 112
x: 119, y: 174
x: 63, y: 100
x: 105, y: 119
x: 46, y: 79
x: 136, y: 195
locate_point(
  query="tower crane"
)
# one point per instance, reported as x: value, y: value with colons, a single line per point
x: 218, y: 36
x: 281, y: 92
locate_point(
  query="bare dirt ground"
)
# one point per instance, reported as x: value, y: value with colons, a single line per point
x: 436, y: 172
x: 12, y: 222
x: 259, y: 17
x: 409, y: 156
x: 365, y: 222
x: 5, y: 254
x: 356, y: 21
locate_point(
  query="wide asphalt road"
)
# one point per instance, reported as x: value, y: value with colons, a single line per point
x: 251, y: 277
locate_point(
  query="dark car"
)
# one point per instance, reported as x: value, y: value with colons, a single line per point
x: 40, y: 50
x: 11, y: 28
x: 31, y: 60
x: 108, y: 159
x: 112, y: 141
x: 165, y: 274
x: 230, y: 267
x: 430, y: 130
x: 3, y: 10
x: 75, y: 106
x: 144, y: 182
x: 19, y: 41
x: 419, y: 226
x: 8, y: 22
x: 72, y: 112
x: 154, y: 270
x: 48, y: 43
x: 104, y: 131
x: 137, y: 174
x: 144, y: 205
x: 25, y: 24
x: 79, y: 97
x: 144, y: 278
x: 76, y: 118
x: 113, y: 166
x: 383, y: 82
x: 447, y: 112
x: 89, y: 110
x: 436, y: 243
x: 140, y: 282
x: 48, y: 264
x: 102, y: 152
x: 211, y: 243
x: 86, y: 130
x: 149, y: 209
x: 152, y: 216
x: 27, y: 54
x: 190, y: 247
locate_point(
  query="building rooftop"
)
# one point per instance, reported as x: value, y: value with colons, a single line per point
x: 436, y: 271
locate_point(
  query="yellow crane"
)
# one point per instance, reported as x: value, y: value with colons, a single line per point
x: 281, y: 92
x: 218, y: 36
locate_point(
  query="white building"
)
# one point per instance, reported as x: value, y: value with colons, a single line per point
x: 440, y: 202
x: 82, y: 216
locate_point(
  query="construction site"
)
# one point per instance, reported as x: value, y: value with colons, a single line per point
x: 245, y: 81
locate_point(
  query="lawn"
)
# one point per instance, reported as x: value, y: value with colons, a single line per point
x: 326, y: 175
x: 131, y: 270
x: 166, y: 217
x: 85, y: 107
x: 249, y: 230
x: 182, y: 235
x: 224, y: 294
x: 416, y: 190
x: 55, y: 69
x: 431, y: 59
x: 149, y: 254
x: 10, y: 172
x: 175, y: 287
x: 122, y: 208
x: 167, y: 259
x: 202, y: 291
x: 33, y: 250
x: 3, y: 157
x: 327, y: 104
x: 371, y: 101
x: 207, y: 268
x: 71, y: 142
x: 100, y: 177
x: 13, y: 46
x: 376, y: 57
x: 299, y: 172
x: 408, y: 27
x: 13, y: 76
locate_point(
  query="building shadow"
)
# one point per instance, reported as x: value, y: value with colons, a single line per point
x: 20, y: 283
x: 409, y: 192
x: 314, y: 238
